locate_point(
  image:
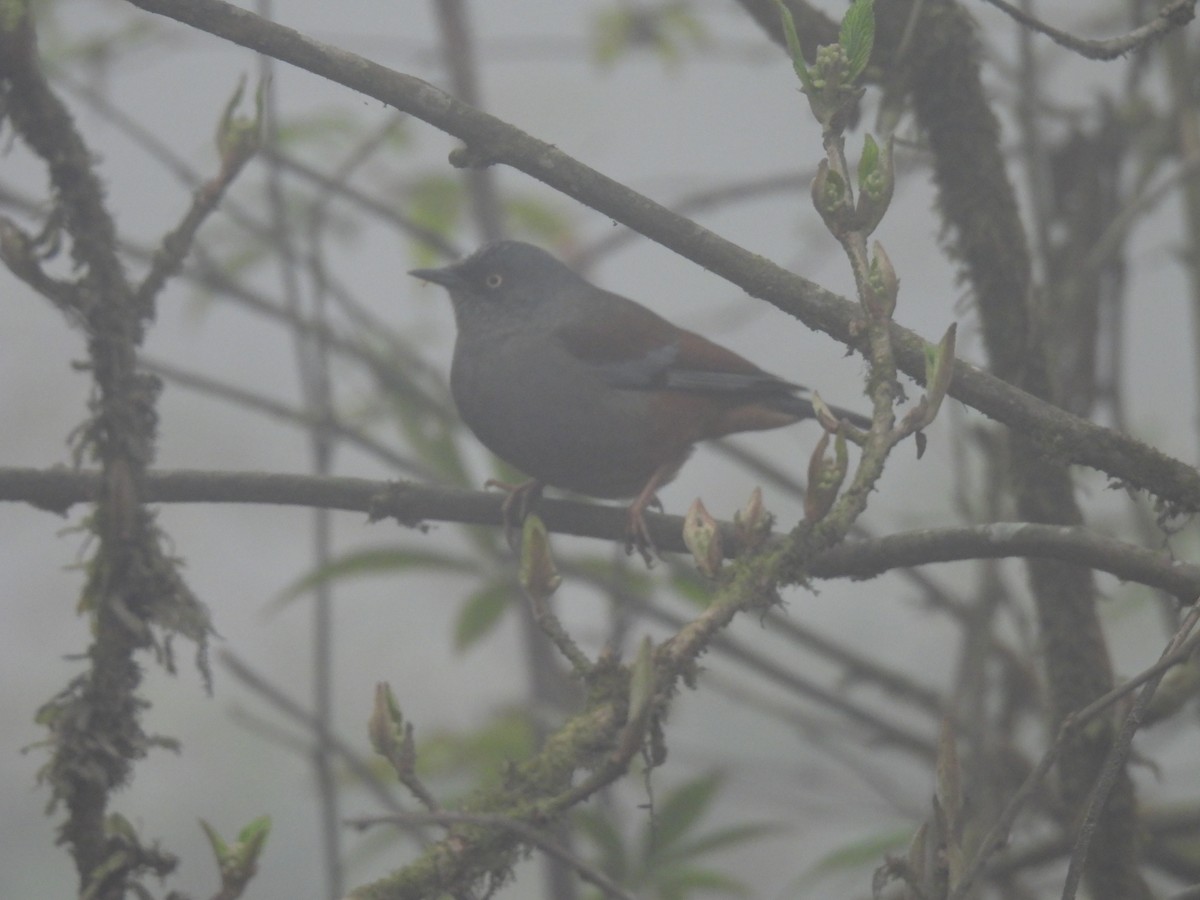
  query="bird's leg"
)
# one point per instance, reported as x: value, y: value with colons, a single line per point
x: 637, y: 535
x: 521, y: 497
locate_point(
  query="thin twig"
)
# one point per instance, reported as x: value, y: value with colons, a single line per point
x: 1114, y: 762
x: 1176, y: 653
x: 1173, y: 15
x: 177, y: 244
x: 312, y: 364
x: 387, y: 212
x: 261, y: 403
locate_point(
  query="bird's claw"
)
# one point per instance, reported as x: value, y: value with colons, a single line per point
x: 637, y: 533
x: 516, y: 505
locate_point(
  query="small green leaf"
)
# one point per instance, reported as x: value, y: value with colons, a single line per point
x: 117, y: 824
x: 239, y: 137
x: 219, y: 847
x: 825, y: 476
x: 641, y: 680
x: 883, y: 286
x: 793, y: 44
x: 481, y: 612
x: 858, y: 37
x: 948, y: 788
x: 532, y: 215
x: 668, y: 30
x: 686, y: 883
x: 726, y: 838
x: 683, y: 809
x: 238, y: 861
x: 610, y: 36
x: 752, y: 523
x: 939, y: 371
x: 831, y: 199
x: 598, y: 827
x: 228, y: 127
x: 385, y: 727
x: 876, y: 183
x: 325, y: 129
x: 858, y: 854
x: 436, y: 202
x: 483, y: 752
x: 918, y: 853
x: 373, y: 561
x: 254, y: 836
x: 537, y: 572
x: 702, y: 536
x: 869, y: 161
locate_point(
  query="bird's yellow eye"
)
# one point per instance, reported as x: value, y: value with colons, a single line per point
x: 494, y: 280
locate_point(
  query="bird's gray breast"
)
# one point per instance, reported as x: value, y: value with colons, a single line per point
x: 551, y: 415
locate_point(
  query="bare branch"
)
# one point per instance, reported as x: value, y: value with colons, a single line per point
x: 410, y: 503
x: 1173, y: 15
x: 1114, y: 763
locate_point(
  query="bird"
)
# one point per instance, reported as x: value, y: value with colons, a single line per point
x: 590, y: 392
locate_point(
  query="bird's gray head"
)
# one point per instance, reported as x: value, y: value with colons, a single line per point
x: 505, y: 281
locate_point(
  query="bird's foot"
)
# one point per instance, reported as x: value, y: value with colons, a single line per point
x: 521, y: 498
x: 637, y: 533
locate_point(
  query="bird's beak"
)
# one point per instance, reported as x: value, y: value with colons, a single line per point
x: 448, y: 277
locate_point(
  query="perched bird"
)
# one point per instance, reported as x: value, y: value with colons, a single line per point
x: 585, y: 390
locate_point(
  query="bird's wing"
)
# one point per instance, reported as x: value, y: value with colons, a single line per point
x: 630, y: 347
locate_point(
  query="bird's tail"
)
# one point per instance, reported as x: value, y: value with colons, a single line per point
x: 802, y: 408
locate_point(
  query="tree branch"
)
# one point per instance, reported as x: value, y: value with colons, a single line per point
x: 57, y: 490
x: 1173, y: 15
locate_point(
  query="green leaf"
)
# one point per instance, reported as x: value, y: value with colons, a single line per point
x: 629, y: 580
x: 597, y: 827
x: 793, y: 44
x: 385, y: 727
x: 725, y: 838
x: 858, y: 854
x: 435, y: 202
x: 858, y: 37
x: 869, y: 161
x: 536, y: 570
x: 373, y: 561
x: 532, y: 215
x: 427, y: 427
x: 690, y: 587
x: 948, y: 787
x: 702, y: 536
x: 219, y: 847
x: 485, y: 753
x: 326, y: 129
x: 252, y: 839
x: 611, y: 36
x: 641, y: 680
x: 668, y: 30
x: 682, y: 884
x: 481, y: 612
x: 238, y: 861
x: 682, y: 810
